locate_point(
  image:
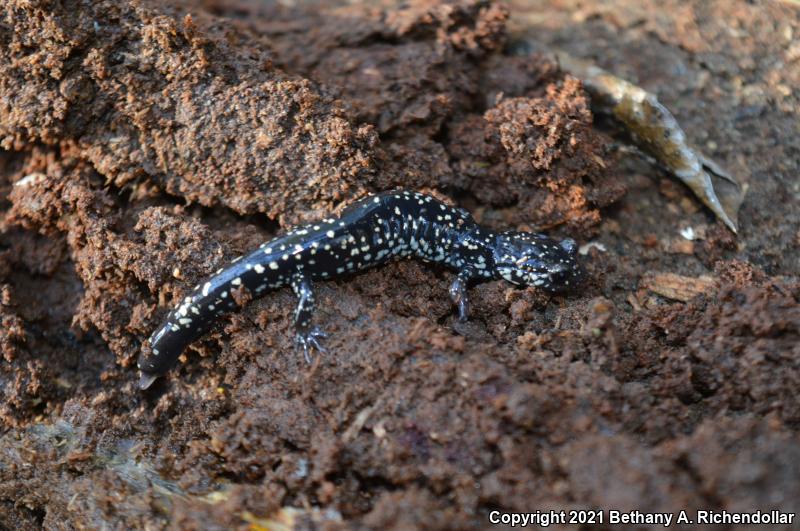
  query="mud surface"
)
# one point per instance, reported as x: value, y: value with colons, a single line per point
x: 145, y: 143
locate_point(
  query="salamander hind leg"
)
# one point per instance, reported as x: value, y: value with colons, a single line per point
x: 306, y: 336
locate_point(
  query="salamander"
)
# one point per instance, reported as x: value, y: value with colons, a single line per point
x: 369, y: 232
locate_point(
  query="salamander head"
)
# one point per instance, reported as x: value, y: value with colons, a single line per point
x: 529, y: 259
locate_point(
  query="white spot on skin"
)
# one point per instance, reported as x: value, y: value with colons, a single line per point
x: 206, y: 288
x: 330, y: 234
x: 237, y: 281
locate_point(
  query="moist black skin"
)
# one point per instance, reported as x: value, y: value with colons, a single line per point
x: 369, y: 232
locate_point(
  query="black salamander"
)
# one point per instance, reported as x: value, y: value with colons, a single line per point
x: 369, y: 232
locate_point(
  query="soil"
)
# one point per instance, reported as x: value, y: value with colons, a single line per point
x: 145, y: 143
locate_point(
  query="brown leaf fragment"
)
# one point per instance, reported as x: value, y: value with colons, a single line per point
x: 680, y: 246
x: 656, y: 132
x: 678, y: 287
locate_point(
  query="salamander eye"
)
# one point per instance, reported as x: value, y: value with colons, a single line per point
x: 569, y: 245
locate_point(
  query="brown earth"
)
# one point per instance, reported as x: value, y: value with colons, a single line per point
x: 145, y: 144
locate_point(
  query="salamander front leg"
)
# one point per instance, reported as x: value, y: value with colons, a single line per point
x: 458, y: 292
x: 306, y: 335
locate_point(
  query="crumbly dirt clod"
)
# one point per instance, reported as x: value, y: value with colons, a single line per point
x: 146, y: 143
x: 149, y: 94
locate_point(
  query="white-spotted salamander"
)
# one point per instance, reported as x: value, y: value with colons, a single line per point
x: 369, y: 232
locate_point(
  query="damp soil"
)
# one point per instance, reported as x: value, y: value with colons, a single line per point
x: 143, y: 144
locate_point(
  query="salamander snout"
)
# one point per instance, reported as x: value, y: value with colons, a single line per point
x: 529, y: 259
